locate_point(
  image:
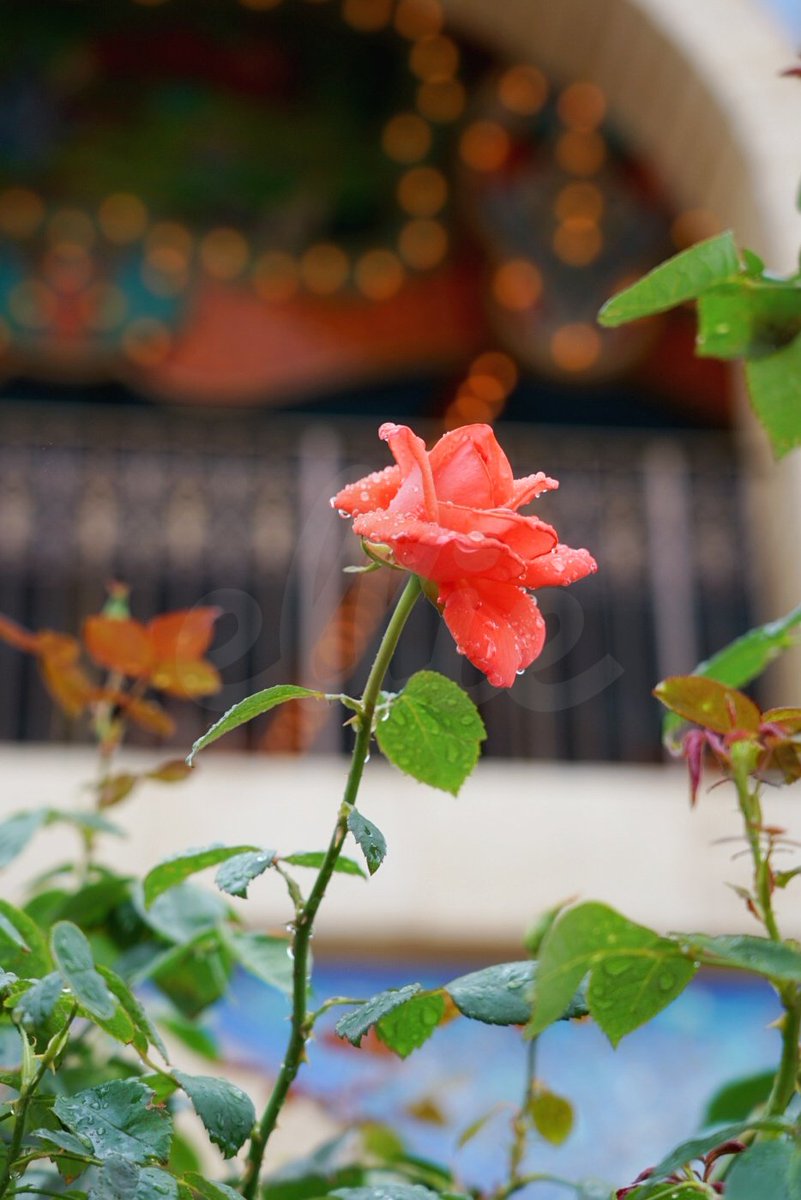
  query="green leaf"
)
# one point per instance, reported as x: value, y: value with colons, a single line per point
x: 748, y: 318
x: 263, y: 956
x: 314, y: 858
x: 92, y: 904
x: 145, y: 1031
x: 238, y: 872
x: 118, y: 1118
x: 155, y: 1184
x: 503, y: 995
x: 633, y: 972
x: 708, y: 703
x: 356, y: 1024
x: 769, y: 1169
x: 195, y: 974
x: 409, y: 1025
x: 246, y: 710
x: 225, y: 1110
x: 432, y: 731
x: 552, y: 1116
x: 198, y: 1039
x: 23, y: 948
x: 774, y: 386
x: 698, y: 1147
x: 181, y: 913
x: 206, y: 1190
x: 118, y: 1179
x: 73, y: 957
x: 370, y: 838
x: 17, y: 831
x: 735, y: 1101
x: 35, y: 1007
x: 761, y: 956
x: 683, y: 277
x: 64, y: 1141
x: 178, y: 868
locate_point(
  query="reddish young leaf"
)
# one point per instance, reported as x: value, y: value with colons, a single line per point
x: 16, y: 636
x: 708, y: 703
x: 148, y: 715
x: 172, y: 771
x: 116, y: 788
x: 182, y: 636
x: 122, y: 646
x: 66, y: 681
x: 788, y: 718
x: 195, y: 677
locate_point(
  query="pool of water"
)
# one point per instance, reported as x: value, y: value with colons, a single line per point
x: 631, y: 1104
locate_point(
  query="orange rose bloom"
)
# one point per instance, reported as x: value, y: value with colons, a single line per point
x: 450, y: 516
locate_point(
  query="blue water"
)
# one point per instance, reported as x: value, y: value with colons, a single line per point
x: 632, y: 1104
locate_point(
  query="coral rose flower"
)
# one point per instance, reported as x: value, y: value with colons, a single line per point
x: 450, y: 516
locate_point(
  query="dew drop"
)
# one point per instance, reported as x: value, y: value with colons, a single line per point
x: 343, y: 512
x: 521, y: 671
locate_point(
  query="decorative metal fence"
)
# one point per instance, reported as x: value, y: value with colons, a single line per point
x: 197, y: 507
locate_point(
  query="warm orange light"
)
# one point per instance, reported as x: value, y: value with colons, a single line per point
x: 423, y: 244
x: 495, y: 365
x: 367, y: 15
x: 471, y: 407
x: 582, y: 107
x: 224, y: 253
x: 580, y: 153
x: 406, y: 138
x: 423, y: 191
x: 441, y: 101
x: 379, y: 274
x: 32, y: 304
x: 484, y: 146
x: 169, y: 234
x: 575, y: 347
x: 434, y: 59
x: 275, y: 277
x: 517, y: 284
x: 419, y: 18
x: 147, y: 342
x: 71, y: 227
x: 324, y: 268
x: 693, y: 226
x: 523, y: 90
x: 122, y: 218
x: 578, y: 242
x: 579, y: 200
x: 21, y: 212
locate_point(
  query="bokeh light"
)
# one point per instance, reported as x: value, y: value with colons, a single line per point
x: 367, y: 16
x: 419, y: 18
x: 21, y: 212
x: 276, y: 277
x: 575, y: 347
x: 324, y: 268
x: 582, y: 107
x: 523, y: 90
x: 122, y: 218
x: 485, y: 145
x: 423, y: 244
x: 517, y: 284
x: 379, y: 274
x: 580, y: 153
x: 224, y: 253
x: 442, y: 100
x: 422, y: 192
x: 406, y: 138
x: 434, y: 59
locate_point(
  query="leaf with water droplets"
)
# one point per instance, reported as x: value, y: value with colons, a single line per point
x: 178, y: 868
x: 432, y: 731
x: 225, y: 1110
x: 356, y: 1024
x: 118, y: 1118
x: 370, y: 839
x: 247, y: 709
x: 633, y: 972
x: 73, y: 957
x: 503, y: 994
x: 410, y: 1025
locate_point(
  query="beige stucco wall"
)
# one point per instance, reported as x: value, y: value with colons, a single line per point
x: 463, y: 873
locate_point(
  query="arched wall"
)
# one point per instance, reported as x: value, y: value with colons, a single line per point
x: 695, y: 86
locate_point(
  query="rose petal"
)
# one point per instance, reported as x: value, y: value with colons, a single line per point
x: 469, y: 467
x: 562, y: 566
x: 496, y: 625
x: 526, y: 536
x: 530, y: 487
x: 368, y: 494
x: 416, y: 495
x: 433, y: 552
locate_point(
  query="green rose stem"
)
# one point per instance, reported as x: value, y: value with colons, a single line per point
x: 784, y: 1085
x: 307, y: 911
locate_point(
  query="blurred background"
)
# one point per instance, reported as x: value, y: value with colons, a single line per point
x: 236, y: 235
